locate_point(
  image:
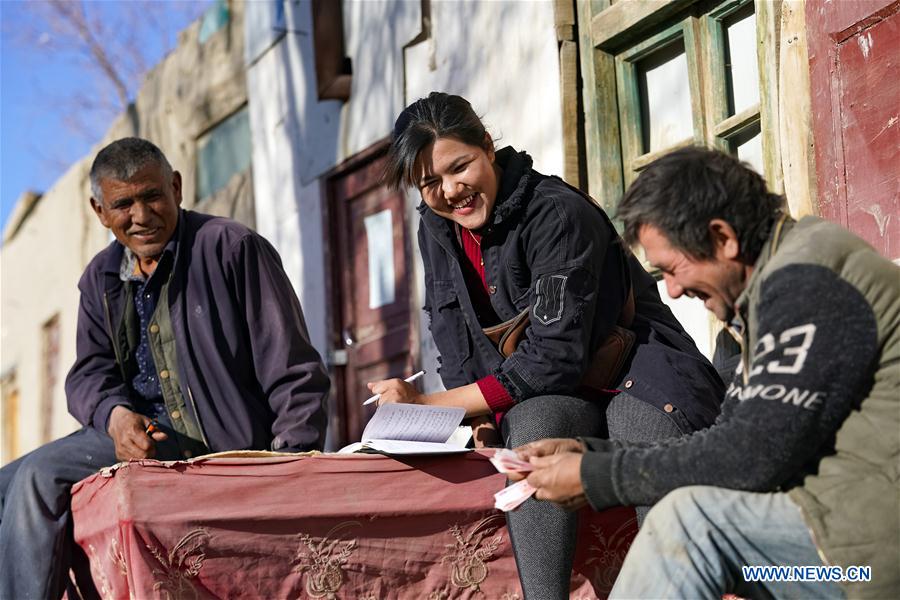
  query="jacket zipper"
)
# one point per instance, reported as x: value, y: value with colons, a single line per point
x: 112, y: 335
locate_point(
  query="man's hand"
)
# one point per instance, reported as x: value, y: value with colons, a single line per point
x: 396, y: 391
x: 128, y: 431
x: 547, y: 447
x: 557, y: 478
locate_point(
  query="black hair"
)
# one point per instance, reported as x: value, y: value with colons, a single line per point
x: 420, y: 124
x: 123, y: 158
x: 681, y: 192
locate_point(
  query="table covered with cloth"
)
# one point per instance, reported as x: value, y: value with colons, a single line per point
x: 358, y: 526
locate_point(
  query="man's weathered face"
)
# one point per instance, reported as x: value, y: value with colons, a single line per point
x: 717, y: 281
x: 142, y: 212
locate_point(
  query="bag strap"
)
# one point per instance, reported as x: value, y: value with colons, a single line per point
x: 626, y: 317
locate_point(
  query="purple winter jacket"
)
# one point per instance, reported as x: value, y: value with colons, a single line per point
x: 246, y: 366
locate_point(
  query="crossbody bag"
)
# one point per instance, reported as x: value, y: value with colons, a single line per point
x: 606, y: 363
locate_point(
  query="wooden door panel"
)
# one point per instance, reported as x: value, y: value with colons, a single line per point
x: 870, y: 110
x: 371, y: 203
x: 376, y: 337
x: 855, y: 88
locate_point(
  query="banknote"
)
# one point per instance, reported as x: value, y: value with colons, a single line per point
x: 512, y: 496
x: 507, y: 461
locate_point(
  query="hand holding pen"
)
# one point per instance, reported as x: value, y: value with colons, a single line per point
x: 395, y: 390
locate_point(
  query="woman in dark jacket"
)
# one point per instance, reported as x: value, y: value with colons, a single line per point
x: 498, y: 238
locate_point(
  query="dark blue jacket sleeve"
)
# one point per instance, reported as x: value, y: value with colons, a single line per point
x: 94, y: 385
x: 288, y: 369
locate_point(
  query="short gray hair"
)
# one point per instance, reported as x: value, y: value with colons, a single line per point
x: 121, y: 159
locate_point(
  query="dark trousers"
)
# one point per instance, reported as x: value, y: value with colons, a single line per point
x: 35, y: 527
x: 543, y: 534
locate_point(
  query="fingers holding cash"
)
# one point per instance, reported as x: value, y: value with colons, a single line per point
x: 553, y: 470
x: 507, y: 461
x: 557, y: 478
x: 548, y: 447
x: 510, y: 497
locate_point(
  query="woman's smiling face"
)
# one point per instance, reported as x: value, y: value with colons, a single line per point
x: 458, y: 181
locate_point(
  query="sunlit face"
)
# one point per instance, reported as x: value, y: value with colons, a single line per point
x: 717, y: 281
x: 142, y: 212
x: 458, y: 181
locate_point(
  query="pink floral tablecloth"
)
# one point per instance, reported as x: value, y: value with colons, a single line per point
x: 319, y: 526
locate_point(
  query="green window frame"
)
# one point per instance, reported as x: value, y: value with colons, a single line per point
x: 635, y: 154
x: 729, y: 128
x: 616, y: 36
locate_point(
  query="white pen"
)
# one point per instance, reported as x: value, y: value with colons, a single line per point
x: 409, y: 379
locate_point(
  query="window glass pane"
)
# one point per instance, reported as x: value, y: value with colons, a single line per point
x: 748, y: 147
x: 380, y: 236
x: 665, y: 92
x: 692, y: 315
x: 215, y: 17
x: 741, y: 67
x: 223, y: 152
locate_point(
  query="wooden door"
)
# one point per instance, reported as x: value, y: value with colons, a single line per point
x: 854, y: 58
x: 370, y: 266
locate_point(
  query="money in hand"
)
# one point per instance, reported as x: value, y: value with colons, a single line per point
x: 507, y: 461
x: 510, y: 497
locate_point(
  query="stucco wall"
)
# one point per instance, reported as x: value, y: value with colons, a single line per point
x: 294, y: 140
x: 188, y: 92
x: 41, y: 265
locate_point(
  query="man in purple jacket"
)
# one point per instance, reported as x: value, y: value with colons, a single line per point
x: 190, y: 340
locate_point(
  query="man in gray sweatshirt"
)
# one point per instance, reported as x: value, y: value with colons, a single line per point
x: 794, y: 490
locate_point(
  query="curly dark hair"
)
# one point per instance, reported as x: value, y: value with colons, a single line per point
x: 421, y: 123
x: 681, y: 192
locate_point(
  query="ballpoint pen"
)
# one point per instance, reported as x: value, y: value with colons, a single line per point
x: 409, y: 379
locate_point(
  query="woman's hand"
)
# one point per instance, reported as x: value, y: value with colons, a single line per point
x: 396, y: 391
x: 484, y: 432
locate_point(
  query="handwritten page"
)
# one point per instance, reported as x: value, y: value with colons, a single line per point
x: 413, y: 423
x: 414, y: 429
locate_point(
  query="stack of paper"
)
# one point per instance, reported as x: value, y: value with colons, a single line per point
x: 413, y: 429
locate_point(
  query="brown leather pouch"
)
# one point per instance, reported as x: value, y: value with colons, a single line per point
x: 607, y: 361
x: 507, y: 335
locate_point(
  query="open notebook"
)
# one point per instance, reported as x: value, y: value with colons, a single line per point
x: 413, y: 429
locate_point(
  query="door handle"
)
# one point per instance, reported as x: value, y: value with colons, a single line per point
x: 347, y: 335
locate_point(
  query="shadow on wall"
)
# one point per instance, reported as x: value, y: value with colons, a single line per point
x: 376, y: 35
x: 511, y: 74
